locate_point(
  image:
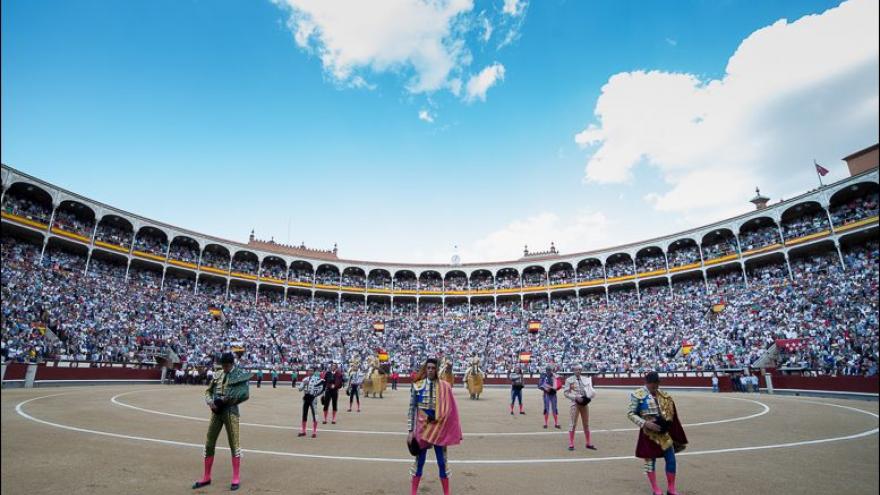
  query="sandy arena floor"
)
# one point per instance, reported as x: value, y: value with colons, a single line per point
x: 148, y: 439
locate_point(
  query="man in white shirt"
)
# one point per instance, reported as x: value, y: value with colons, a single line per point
x: 579, y: 390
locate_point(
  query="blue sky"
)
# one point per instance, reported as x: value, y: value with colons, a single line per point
x: 224, y: 116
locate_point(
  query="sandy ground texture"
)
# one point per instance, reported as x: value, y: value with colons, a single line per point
x: 148, y: 439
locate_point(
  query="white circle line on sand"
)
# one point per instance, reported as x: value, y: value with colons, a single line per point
x: 764, y: 410
x: 20, y: 410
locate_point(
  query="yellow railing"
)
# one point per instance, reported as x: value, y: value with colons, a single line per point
x: 246, y: 276
x: 70, y: 235
x: 272, y: 280
x: 807, y: 238
x: 112, y: 247
x: 856, y: 224
x: 149, y: 256
x: 764, y: 249
x: 591, y: 283
x: 297, y: 283
x: 211, y: 269
x: 22, y: 220
x: 653, y: 273
x: 689, y: 266
x: 720, y: 259
x: 183, y: 264
x: 622, y: 278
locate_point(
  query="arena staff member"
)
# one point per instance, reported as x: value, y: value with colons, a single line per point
x: 312, y: 386
x: 660, y: 431
x: 333, y: 381
x: 227, y: 390
x: 355, y: 379
x: 433, y: 422
x: 547, y: 384
x: 516, y: 387
x: 579, y: 390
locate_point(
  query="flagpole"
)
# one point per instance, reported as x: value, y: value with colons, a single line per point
x: 816, y: 168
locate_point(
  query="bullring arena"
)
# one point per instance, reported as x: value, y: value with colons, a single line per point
x: 103, y: 311
x: 147, y: 439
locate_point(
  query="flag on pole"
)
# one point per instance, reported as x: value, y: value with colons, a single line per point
x: 820, y: 172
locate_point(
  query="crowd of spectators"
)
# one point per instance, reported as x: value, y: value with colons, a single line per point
x: 760, y: 237
x: 650, y: 263
x: 112, y: 234
x: 152, y: 243
x: 718, y: 248
x: 24, y: 207
x: 856, y: 209
x: 679, y: 256
x: 69, y: 221
x: 804, y: 225
x: 58, y: 310
x: 182, y: 251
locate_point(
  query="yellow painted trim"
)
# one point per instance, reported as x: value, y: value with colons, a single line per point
x: 689, y: 266
x: 817, y: 235
x: 721, y: 259
x: 272, y: 280
x: 622, y: 278
x: 591, y: 283
x: 764, y: 249
x: 539, y: 288
x: 23, y: 220
x: 211, y: 269
x: 562, y: 286
x: 507, y: 291
x: 405, y: 292
x: 353, y: 289
x: 297, y: 283
x: 856, y: 224
x: 243, y: 275
x: 431, y: 292
x: 71, y: 235
x: 481, y: 292
x: 112, y: 247
x: 150, y: 256
x: 184, y: 264
x: 653, y: 273
x: 326, y: 287
x: 378, y: 291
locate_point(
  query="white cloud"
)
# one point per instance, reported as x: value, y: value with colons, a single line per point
x: 671, y: 42
x: 487, y: 29
x: 424, y: 41
x: 426, y: 116
x: 514, y: 8
x: 479, y: 84
x: 579, y: 232
x: 792, y: 92
x: 413, y: 35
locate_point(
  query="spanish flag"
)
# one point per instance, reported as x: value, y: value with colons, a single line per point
x: 215, y: 311
x: 382, y: 354
x: 686, y: 348
x: 534, y: 326
x: 719, y: 306
x: 379, y: 326
x: 525, y: 357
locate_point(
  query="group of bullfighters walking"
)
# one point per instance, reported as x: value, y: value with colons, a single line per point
x: 433, y: 420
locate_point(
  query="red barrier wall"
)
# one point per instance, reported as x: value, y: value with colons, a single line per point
x: 15, y: 371
x: 85, y: 373
x: 856, y: 384
x: 861, y: 384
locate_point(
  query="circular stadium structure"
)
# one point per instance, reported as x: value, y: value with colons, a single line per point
x: 720, y: 296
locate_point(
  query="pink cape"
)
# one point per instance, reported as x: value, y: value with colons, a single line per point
x: 446, y: 429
